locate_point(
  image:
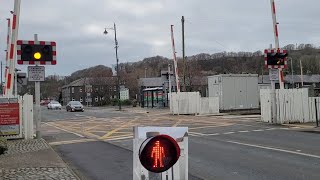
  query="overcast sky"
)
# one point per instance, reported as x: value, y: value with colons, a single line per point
x: 144, y: 27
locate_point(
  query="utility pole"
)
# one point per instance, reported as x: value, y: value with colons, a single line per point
x: 301, y: 73
x: 183, y: 56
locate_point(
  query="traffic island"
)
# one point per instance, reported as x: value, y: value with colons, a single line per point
x: 33, y: 159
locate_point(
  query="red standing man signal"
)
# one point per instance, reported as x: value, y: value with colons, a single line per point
x: 158, y: 155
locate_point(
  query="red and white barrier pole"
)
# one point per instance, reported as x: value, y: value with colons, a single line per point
x: 276, y: 38
x: 175, y: 61
x: 7, y: 54
x: 12, y: 51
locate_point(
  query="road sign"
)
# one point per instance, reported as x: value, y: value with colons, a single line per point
x: 274, y: 74
x: 36, y: 52
x: 9, y: 119
x: 36, y: 73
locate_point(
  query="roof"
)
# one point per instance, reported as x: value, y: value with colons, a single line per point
x: 296, y: 78
x: 235, y: 75
x: 89, y: 81
x: 154, y: 82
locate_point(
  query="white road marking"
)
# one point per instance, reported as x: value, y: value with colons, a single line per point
x: 295, y: 127
x: 243, y: 131
x: 298, y: 150
x: 275, y: 149
x: 215, y: 134
x: 228, y: 133
x: 119, y: 138
x: 64, y: 130
x: 191, y: 134
x: 270, y: 129
x: 284, y: 128
x: 201, y: 134
x: 258, y: 130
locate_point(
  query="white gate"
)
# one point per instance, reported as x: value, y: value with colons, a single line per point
x: 265, y: 100
x: 185, y: 103
x: 25, y: 125
x: 292, y: 105
x: 209, y: 105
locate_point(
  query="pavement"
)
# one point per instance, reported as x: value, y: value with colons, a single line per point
x: 95, y: 142
x: 32, y: 160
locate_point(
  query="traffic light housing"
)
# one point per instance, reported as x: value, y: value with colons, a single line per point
x: 40, y: 52
x: 36, y: 52
x: 276, y: 59
x: 159, y: 153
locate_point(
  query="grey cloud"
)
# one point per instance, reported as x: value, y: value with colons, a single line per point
x: 144, y: 27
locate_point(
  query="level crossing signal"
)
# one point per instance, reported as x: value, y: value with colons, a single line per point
x: 159, y: 153
x: 276, y: 59
x: 42, y: 52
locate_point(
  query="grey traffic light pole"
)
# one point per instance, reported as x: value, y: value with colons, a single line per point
x: 117, y: 59
x: 37, y: 99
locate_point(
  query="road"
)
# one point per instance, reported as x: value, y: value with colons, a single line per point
x: 95, y: 143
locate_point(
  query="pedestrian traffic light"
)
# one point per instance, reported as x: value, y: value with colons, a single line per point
x: 276, y: 59
x: 39, y: 52
x: 159, y: 153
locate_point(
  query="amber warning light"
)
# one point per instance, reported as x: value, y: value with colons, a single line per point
x: 158, y: 154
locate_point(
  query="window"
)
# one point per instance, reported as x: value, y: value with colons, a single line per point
x: 97, y: 99
x: 101, y: 88
x: 97, y: 89
x: 80, y: 90
x: 81, y: 100
x: 110, y: 89
x: 115, y: 88
x: 72, y: 90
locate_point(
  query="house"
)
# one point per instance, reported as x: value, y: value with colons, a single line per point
x: 90, y: 91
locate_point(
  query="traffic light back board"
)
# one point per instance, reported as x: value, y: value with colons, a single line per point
x: 275, y: 59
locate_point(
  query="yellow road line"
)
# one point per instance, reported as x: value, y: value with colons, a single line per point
x: 177, y: 123
x: 117, y: 129
x: 71, y: 142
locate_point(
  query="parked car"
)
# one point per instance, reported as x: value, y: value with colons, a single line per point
x: 74, y: 106
x: 44, y: 102
x: 54, y: 105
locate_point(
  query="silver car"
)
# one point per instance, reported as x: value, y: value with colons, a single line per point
x: 74, y: 106
x: 54, y: 105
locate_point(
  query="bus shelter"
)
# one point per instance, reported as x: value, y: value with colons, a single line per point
x: 153, y: 97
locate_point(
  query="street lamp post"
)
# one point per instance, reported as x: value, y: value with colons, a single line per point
x: 117, y: 59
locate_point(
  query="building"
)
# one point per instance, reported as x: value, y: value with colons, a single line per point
x: 154, y: 91
x: 235, y: 91
x: 90, y: 91
x: 295, y: 81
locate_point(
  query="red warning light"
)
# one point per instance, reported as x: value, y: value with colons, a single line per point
x: 159, y: 153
